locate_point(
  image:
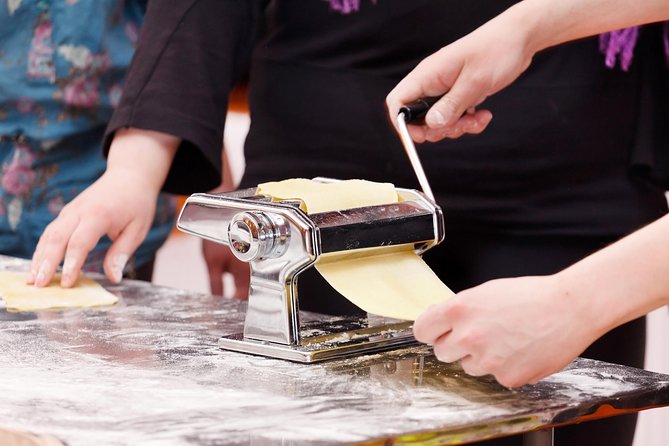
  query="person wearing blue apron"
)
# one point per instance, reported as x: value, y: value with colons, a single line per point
x: 62, y: 65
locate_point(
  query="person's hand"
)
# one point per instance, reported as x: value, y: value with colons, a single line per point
x: 120, y: 204
x: 465, y: 73
x: 519, y: 330
x: 220, y: 260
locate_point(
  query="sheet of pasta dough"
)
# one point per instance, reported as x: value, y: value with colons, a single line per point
x: 323, y: 197
x: 18, y: 296
x: 398, y: 284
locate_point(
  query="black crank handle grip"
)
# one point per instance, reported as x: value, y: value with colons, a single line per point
x: 414, y: 112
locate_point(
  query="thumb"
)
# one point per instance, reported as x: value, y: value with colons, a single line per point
x: 466, y: 92
x: 122, y: 248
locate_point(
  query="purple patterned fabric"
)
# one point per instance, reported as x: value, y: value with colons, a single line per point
x: 665, y: 39
x: 346, y: 6
x: 619, y: 46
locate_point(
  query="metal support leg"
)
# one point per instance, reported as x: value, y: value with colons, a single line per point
x: 538, y: 438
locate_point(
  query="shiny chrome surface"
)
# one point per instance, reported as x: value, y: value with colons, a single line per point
x: 438, y: 225
x: 149, y: 371
x: 326, y: 340
x: 272, y: 313
x: 257, y: 235
x: 280, y: 241
x: 410, y: 149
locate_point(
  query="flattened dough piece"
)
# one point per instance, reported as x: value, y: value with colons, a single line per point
x: 324, y: 197
x: 398, y: 285
x: 19, y: 296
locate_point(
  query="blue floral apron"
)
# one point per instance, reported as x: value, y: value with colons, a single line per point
x: 62, y: 64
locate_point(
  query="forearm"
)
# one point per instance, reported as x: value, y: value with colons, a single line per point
x: 480, y: 64
x: 142, y: 155
x: 550, y: 22
x: 189, y: 54
x: 623, y: 281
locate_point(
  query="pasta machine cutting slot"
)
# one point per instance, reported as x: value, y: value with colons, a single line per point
x: 280, y: 241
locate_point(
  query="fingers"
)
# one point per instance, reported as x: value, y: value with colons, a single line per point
x: 82, y: 240
x: 433, y: 323
x: 50, y: 251
x: 215, y: 259
x: 472, y: 124
x: 242, y: 274
x: 462, y: 85
x: 473, y: 367
x: 454, y: 115
x: 447, y: 351
x: 122, y: 248
x: 215, y: 270
x: 507, y: 377
x: 467, y: 91
x: 434, y: 76
x: 220, y: 260
x: 74, y: 239
x: 514, y: 377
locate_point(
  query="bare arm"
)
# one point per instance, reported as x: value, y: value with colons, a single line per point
x: 183, y: 44
x: 523, y: 329
x: 626, y: 280
x: 494, y: 55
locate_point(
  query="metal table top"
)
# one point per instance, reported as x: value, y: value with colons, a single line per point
x: 148, y: 371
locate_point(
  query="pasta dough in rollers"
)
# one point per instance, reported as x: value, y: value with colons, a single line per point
x: 397, y: 284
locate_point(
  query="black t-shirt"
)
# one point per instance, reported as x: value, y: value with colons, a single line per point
x: 555, y: 160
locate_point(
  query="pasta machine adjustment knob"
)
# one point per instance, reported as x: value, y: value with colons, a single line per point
x: 258, y: 235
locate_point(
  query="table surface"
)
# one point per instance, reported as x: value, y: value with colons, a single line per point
x: 148, y: 371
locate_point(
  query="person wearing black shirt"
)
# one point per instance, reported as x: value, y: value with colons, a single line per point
x: 508, y: 327
x: 551, y: 180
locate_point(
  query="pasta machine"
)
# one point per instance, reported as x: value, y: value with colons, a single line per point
x: 280, y: 241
